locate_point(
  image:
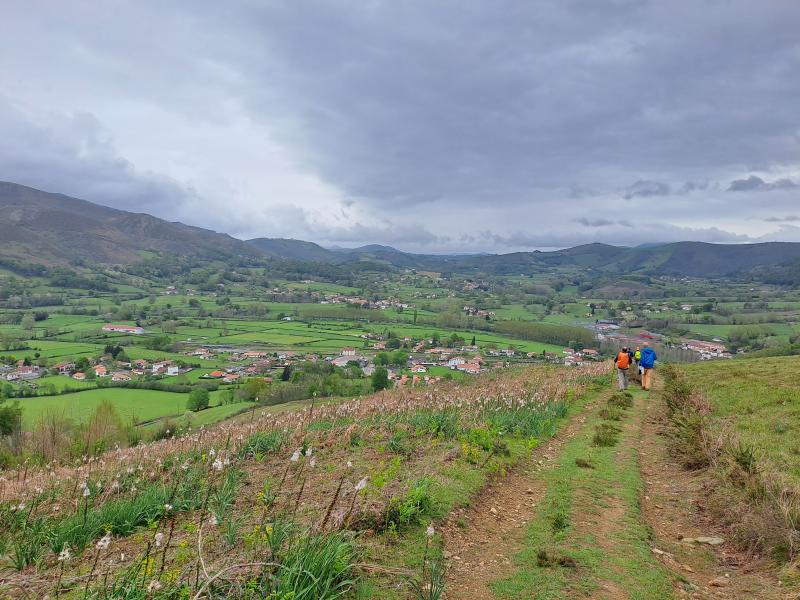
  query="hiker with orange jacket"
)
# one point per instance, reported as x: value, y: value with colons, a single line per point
x: 622, y: 361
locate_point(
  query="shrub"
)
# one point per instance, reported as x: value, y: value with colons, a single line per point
x: 409, y: 509
x: 198, y: 399
x: 605, y: 435
x: 319, y: 567
x: 262, y: 443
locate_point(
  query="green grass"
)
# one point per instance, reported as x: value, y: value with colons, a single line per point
x: 562, y: 556
x: 759, y: 399
x: 131, y: 404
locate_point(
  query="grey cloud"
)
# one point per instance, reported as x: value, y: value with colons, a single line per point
x: 756, y: 184
x: 600, y: 222
x: 448, y: 114
x: 75, y: 155
x: 645, y: 189
x: 786, y: 219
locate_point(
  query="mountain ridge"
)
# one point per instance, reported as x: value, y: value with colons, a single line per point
x: 52, y: 228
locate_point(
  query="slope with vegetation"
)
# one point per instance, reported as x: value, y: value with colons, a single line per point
x: 329, y: 502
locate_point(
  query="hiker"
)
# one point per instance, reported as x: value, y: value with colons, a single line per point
x: 637, y: 356
x: 622, y: 361
x: 646, y: 363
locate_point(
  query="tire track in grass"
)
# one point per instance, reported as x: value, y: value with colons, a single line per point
x: 587, y: 539
x: 482, y: 539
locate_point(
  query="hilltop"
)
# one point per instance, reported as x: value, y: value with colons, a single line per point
x: 50, y: 228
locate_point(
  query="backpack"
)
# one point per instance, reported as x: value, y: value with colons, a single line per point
x: 623, y: 360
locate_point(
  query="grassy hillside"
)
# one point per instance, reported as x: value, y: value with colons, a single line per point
x: 37, y: 226
x: 738, y: 420
x: 328, y: 503
x: 758, y: 400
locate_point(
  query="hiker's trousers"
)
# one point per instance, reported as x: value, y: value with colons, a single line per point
x: 647, y: 377
x: 622, y: 378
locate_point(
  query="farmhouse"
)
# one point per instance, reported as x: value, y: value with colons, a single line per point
x: 456, y: 361
x: 79, y: 376
x: 120, y: 376
x: 346, y: 351
x: 100, y: 371
x: 64, y: 368
x: 123, y: 329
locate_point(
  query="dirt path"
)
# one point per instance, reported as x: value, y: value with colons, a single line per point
x: 672, y: 506
x: 482, y: 539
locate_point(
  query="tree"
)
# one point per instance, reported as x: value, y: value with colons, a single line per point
x: 198, y: 399
x: 27, y: 322
x: 472, y: 343
x: 10, y: 418
x: 380, y: 379
x: 399, y: 358
x: 381, y: 358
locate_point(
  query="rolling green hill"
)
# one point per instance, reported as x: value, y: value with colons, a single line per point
x: 37, y: 226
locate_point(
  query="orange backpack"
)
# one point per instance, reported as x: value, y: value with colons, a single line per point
x: 623, y: 360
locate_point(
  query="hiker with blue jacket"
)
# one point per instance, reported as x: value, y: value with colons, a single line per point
x: 646, y: 363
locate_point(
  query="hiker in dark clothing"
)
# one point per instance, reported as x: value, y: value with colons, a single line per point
x: 647, y: 363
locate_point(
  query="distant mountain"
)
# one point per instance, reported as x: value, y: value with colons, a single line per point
x: 37, y: 226
x: 294, y: 249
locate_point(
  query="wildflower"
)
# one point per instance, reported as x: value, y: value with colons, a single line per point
x: 212, y: 453
x: 430, y: 531
x: 159, y: 539
x: 295, y: 456
x: 21, y: 506
x: 104, y: 542
x: 308, y: 452
x: 361, y: 484
x: 218, y: 465
x: 86, y: 492
x: 213, y: 520
x: 154, y: 586
x: 65, y: 554
x: 313, y: 462
x: 349, y: 464
x: 167, y: 508
x: 185, y: 466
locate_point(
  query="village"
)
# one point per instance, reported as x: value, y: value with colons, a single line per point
x: 408, y: 361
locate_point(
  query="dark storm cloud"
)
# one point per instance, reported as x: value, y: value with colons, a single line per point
x: 645, y: 189
x: 423, y: 101
x: 75, y: 155
x: 412, y: 121
x: 756, y: 184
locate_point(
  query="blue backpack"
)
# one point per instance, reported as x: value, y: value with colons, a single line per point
x: 648, y: 358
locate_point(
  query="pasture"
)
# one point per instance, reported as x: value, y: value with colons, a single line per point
x: 134, y: 406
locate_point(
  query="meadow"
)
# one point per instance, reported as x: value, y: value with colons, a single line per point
x: 134, y: 406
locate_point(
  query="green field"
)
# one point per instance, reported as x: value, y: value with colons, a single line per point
x: 132, y: 405
x: 758, y: 398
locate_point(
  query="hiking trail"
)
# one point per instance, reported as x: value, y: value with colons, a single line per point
x: 609, y: 529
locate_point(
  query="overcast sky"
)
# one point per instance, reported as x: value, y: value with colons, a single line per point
x: 428, y: 125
